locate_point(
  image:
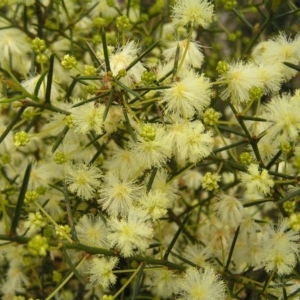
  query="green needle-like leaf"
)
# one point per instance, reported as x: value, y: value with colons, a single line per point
x: 292, y: 66
x: 151, y: 179
x: 12, y: 123
x: 69, y: 214
x: 149, y: 49
x: 111, y: 96
x: 39, y: 83
x: 168, y: 251
x: 232, y: 248
x: 60, y: 138
x: 49, y: 80
x: 18, y: 210
x: 138, y: 282
x: 71, y: 266
x: 105, y: 51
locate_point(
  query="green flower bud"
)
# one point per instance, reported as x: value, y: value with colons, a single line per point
x: 148, y: 77
x: 90, y: 89
x: 122, y: 73
x: 246, y: 158
x: 289, y: 206
x: 108, y: 297
x: 296, y: 163
x: 232, y: 37
x: 41, y: 58
x: 69, y: 62
x: 90, y: 70
x: 59, y: 158
x: 31, y: 196
x: 294, y: 221
x: 148, y: 133
x: 97, y: 39
x: 210, y: 181
x: 62, y: 231
x: 99, y: 22
x: 110, y: 3
x: 21, y: 138
x: 38, y: 245
x: 255, y: 93
x: 41, y: 190
x: 211, y: 117
x: 285, y: 147
x: 123, y: 23
x: 222, y: 67
x: 56, y: 276
x: 38, y: 45
x: 27, y: 261
x: 69, y: 121
x: 28, y: 114
x: 229, y: 4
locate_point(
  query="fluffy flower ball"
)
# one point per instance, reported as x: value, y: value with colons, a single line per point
x: 195, y: 11
x: 204, y: 285
x: 257, y: 181
x: 188, y: 96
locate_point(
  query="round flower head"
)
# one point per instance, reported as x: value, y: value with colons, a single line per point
x: 229, y: 210
x: 257, y: 181
x: 270, y: 76
x: 130, y: 233
x: 198, y: 254
x: 192, y: 179
x: 92, y: 231
x: 101, y: 271
x: 155, y: 203
x: 189, y: 141
x: 41, y: 174
x: 153, y: 151
x: 187, y: 97
x: 192, y: 11
x: 283, y: 112
x: 83, y: 180
x: 121, y: 60
x: 16, y: 279
x: 122, y: 162
x: 163, y: 184
x: 240, y: 78
x: 204, y: 285
x: 88, y: 117
x: 117, y: 195
x: 280, y: 249
x: 278, y: 50
x: 163, y: 282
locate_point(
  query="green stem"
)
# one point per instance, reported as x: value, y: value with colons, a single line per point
x: 62, y: 284
x: 247, y: 107
x: 3, y: 209
x: 265, y: 288
x: 251, y: 140
x: 95, y: 250
x: 160, y: 240
x: 51, y: 220
x: 186, y: 49
x: 128, y: 281
x: 222, y: 138
x: 258, y: 33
